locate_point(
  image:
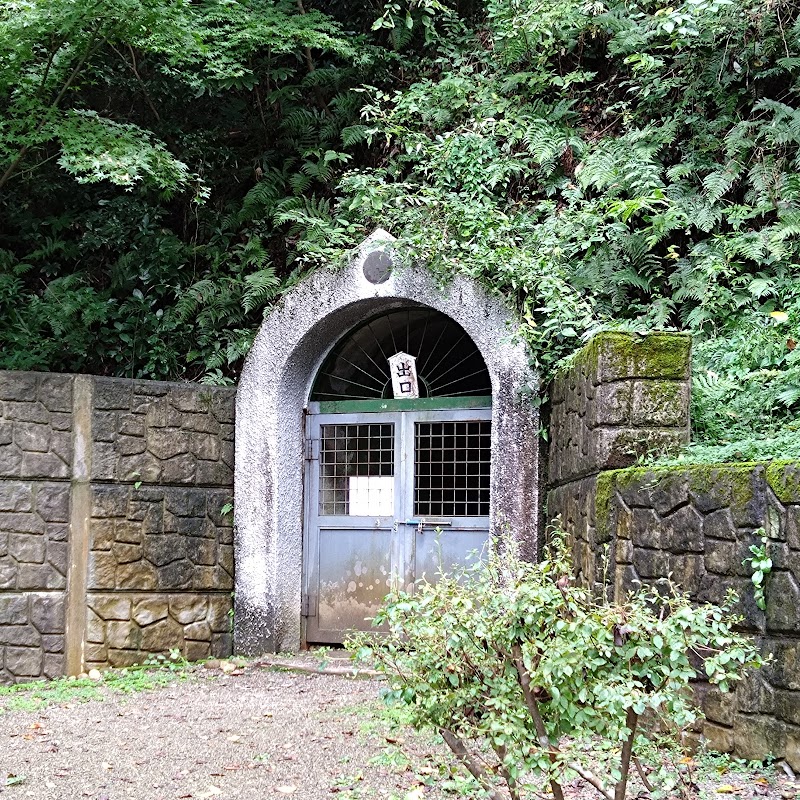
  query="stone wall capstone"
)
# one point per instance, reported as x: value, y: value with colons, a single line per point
x: 113, y: 544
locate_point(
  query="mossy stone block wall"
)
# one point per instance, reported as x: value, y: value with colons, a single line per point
x: 625, y: 395
x: 697, y: 524
x: 113, y: 544
x: 631, y: 525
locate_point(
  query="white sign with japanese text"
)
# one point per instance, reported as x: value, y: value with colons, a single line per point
x: 404, y: 376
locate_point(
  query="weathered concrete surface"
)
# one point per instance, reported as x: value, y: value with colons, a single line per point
x: 274, y: 389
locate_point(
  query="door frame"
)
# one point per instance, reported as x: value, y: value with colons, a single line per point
x: 404, y: 414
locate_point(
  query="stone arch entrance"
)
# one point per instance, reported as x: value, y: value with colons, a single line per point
x: 272, y: 401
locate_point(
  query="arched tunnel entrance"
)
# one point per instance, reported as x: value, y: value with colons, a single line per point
x: 342, y: 465
x: 397, y: 488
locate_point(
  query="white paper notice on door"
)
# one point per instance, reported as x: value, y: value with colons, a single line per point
x: 371, y: 496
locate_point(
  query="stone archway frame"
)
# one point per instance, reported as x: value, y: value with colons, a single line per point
x: 272, y: 395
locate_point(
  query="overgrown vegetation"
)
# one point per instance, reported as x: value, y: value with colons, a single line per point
x: 518, y: 669
x: 166, y: 170
x: 761, y: 565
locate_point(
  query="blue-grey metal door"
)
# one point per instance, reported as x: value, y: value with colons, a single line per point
x: 394, y: 493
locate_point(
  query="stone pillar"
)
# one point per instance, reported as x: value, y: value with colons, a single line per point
x: 624, y: 396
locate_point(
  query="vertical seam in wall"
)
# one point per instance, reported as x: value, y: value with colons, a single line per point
x: 79, y: 523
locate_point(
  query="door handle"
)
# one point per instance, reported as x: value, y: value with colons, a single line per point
x: 433, y: 523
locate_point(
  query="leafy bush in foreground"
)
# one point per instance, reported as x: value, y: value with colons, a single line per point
x: 515, y: 667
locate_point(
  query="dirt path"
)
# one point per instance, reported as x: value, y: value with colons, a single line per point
x: 256, y: 734
x: 260, y: 734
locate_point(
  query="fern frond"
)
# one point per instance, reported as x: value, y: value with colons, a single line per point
x: 259, y: 288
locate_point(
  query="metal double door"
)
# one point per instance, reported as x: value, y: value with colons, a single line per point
x: 391, y: 498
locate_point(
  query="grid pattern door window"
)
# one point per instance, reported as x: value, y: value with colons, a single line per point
x: 357, y: 470
x: 451, y: 468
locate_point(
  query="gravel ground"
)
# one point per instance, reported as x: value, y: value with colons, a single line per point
x: 258, y: 734
x: 254, y: 734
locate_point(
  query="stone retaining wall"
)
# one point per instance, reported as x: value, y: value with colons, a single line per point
x: 625, y: 396
x: 113, y: 544
x: 696, y: 523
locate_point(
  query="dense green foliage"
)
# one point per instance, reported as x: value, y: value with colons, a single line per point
x: 146, y: 149
x: 511, y: 657
x: 167, y: 169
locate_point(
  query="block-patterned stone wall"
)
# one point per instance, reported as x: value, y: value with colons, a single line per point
x: 697, y: 524
x: 113, y: 544
x: 625, y: 396
x: 122, y: 627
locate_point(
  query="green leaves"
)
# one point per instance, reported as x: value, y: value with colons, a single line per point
x: 507, y: 651
x: 147, y: 150
x: 761, y: 564
x: 50, y: 51
x: 600, y: 165
x: 94, y: 149
x: 645, y: 193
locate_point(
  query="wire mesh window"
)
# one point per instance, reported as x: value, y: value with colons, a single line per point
x: 448, y: 362
x: 357, y: 470
x: 451, y: 468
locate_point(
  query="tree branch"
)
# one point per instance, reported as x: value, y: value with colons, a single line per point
x: 591, y: 779
x: 312, y: 68
x: 475, y: 769
x: 631, y: 720
x: 94, y: 46
x: 645, y: 782
x: 513, y: 790
x: 538, y: 722
x: 131, y: 65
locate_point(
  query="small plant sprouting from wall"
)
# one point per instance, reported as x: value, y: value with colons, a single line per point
x: 514, y: 656
x: 761, y: 564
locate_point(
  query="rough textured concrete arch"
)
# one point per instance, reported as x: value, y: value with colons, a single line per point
x: 273, y: 392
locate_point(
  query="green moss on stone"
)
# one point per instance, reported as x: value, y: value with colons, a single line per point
x: 603, y: 493
x: 631, y: 355
x: 625, y: 478
x: 587, y: 355
x: 733, y: 482
x: 732, y: 485
x: 733, y: 479
x: 657, y: 355
x: 783, y: 478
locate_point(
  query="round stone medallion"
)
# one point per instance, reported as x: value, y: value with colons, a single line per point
x: 377, y: 266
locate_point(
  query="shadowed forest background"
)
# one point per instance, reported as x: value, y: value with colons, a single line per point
x: 168, y: 169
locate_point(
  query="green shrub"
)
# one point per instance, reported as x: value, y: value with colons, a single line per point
x: 511, y: 658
